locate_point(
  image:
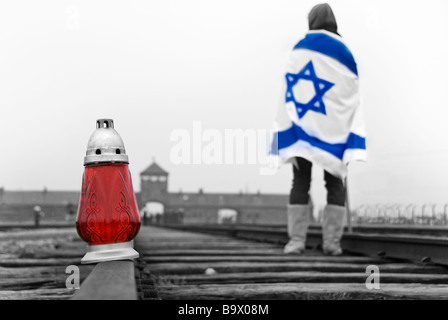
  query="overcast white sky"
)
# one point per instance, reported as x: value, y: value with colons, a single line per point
x: 156, y: 66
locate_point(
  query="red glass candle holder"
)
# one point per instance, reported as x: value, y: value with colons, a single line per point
x: 108, y: 217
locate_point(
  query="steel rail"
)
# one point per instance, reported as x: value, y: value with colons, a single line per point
x: 111, y: 280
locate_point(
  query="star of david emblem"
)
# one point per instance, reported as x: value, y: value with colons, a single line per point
x: 306, y: 90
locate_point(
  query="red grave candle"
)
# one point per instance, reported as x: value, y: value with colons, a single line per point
x: 108, y: 217
x: 107, y: 209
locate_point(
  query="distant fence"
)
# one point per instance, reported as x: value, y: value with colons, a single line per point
x: 402, y: 214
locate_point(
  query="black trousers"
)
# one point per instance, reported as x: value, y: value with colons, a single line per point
x: 302, y: 181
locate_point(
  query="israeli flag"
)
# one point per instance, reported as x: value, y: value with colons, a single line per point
x: 320, y: 114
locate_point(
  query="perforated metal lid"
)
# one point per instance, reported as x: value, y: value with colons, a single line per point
x: 105, y: 145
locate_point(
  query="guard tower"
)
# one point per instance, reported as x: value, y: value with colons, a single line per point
x: 154, y: 184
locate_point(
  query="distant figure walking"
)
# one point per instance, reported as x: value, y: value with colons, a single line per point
x: 71, y: 211
x: 37, y: 215
x: 319, y: 121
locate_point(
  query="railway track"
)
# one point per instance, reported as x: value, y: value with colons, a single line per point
x: 33, y: 263
x: 246, y: 262
x: 427, y: 244
x: 242, y: 262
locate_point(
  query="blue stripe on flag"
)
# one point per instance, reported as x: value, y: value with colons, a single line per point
x: 284, y: 139
x: 329, y: 46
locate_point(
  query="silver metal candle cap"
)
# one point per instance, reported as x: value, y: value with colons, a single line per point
x: 105, y: 145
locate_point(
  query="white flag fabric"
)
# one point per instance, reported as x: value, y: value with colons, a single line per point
x: 320, y: 116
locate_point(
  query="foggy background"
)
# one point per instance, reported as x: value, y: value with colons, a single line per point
x: 157, y: 66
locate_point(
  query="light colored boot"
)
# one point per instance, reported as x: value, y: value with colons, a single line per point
x: 332, y: 229
x: 298, y: 222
